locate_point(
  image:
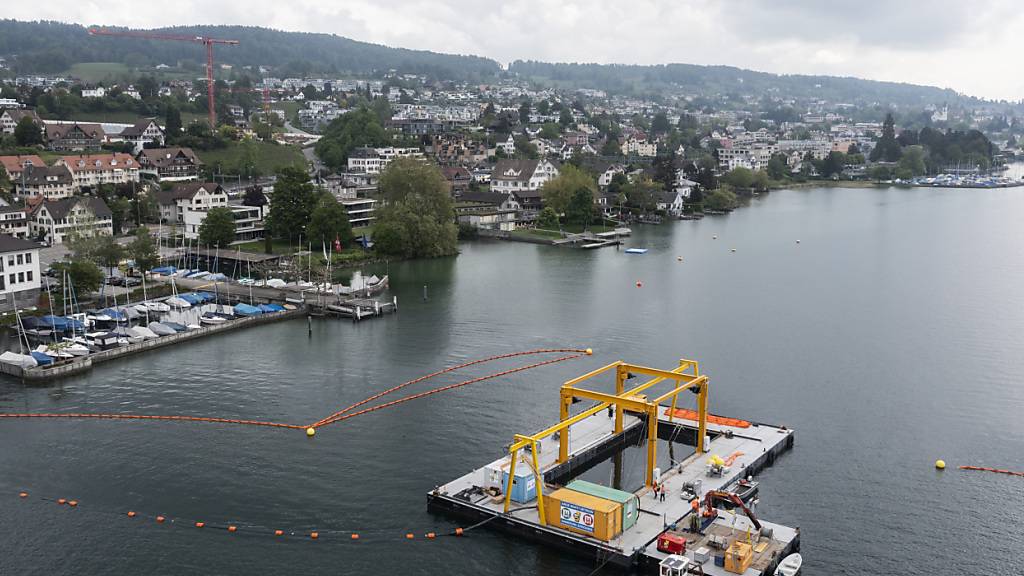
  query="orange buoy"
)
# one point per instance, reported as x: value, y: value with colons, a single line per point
x: 431, y: 535
x: 62, y: 501
x: 73, y: 503
x: 314, y: 535
x: 278, y: 532
x: 23, y: 494
x: 355, y: 536
x: 160, y: 519
x: 232, y: 528
x: 639, y: 284
x: 131, y: 514
x: 409, y: 536
x: 200, y: 524
x: 458, y: 531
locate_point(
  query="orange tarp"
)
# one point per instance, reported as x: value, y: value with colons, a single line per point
x: 684, y: 414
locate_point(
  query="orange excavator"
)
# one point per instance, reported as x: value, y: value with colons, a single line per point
x: 711, y: 512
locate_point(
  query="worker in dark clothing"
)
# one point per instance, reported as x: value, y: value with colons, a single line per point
x: 662, y: 492
x: 695, y: 516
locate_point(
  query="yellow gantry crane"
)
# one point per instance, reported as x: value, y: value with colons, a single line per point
x: 684, y: 377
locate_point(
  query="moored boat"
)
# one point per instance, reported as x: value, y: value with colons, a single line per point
x: 790, y: 565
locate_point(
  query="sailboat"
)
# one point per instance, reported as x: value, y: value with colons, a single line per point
x: 175, y: 301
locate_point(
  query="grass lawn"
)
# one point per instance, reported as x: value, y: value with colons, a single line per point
x: 94, y: 72
x: 266, y: 157
x: 596, y: 229
x: 539, y: 234
x: 277, y: 247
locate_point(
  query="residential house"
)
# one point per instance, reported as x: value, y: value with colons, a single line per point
x: 636, y: 146
x: 74, y: 137
x: 169, y: 164
x: 521, y: 175
x: 508, y: 147
x: 52, y: 182
x: 143, y: 132
x: 682, y: 184
x: 458, y: 179
x: 604, y: 178
x: 530, y: 201
x: 14, y: 165
x: 52, y: 220
x: 194, y: 196
x: 669, y: 201
x: 488, y: 210
x: 10, y: 117
x: 360, y: 211
x: 19, y: 273
x: 249, y: 221
x: 14, y: 221
x: 97, y: 92
x: 375, y: 160
x: 750, y: 156
x: 90, y: 170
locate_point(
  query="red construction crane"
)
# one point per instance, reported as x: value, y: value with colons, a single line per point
x: 208, y: 42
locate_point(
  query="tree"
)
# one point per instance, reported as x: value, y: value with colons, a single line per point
x: 358, y: 128
x: 721, y: 199
x: 254, y: 196
x: 547, y: 219
x: 550, y: 130
x: 143, y: 250
x: 580, y: 211
x: 660, y: 124
x: 777, y: 167
x: 294, y: 201
x: 218, y: 228
x: 558, y: 191
x: 120, y: 212
x: 832, y: 165
x: 524, y: 112
x: 739, y: 177
x: 27, y: 132
x: 887, y: 148
x: 108, y: 252
x: 611, y: 148
x: 418, y: 219
x: 879, y: 173
x: 85, y: 275
x: 913, y: 160
x: 565, y: 118
x: 329, y: 222
x: 173, y: 126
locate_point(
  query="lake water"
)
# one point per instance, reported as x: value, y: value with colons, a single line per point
x: 891, y: 335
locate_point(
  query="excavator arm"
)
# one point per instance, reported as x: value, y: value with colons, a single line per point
x: 709, y: 505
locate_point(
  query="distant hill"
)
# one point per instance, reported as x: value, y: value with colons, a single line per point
x: 53, y: 47
x: 711, y: 80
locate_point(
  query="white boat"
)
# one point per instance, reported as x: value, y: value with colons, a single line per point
x: 54, y: 351
x: 158, y: 307
x: 212, y: 319
x: 161, y: 329
x: 19, y: 360
x: 276, y: 283
x: 143, y: 332
x: 141, y: 308
x: 75, y: 348
x: 193, y: 326
x: 178, y: 302
x: 790, y: 565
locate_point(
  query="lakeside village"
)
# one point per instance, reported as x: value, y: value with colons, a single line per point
x: 117, y: 236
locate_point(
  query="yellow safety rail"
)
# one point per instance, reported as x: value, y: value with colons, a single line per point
x: 685, y: 376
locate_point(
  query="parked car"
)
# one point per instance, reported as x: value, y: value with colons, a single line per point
x: 131, y: 282
x: 115, y: 281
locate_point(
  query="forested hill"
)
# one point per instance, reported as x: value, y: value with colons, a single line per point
x: 711, y: 80
x: 53, y: 47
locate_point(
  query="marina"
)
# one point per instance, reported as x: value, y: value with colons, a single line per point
x: 537, y: 476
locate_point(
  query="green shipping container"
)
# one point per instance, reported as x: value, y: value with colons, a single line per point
x: 630, y: 502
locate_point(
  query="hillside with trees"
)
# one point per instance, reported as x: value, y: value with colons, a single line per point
x: 53, y: 47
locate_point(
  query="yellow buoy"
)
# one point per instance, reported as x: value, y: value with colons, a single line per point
x: 589, y: 352
x: 940, y: 464
x: 310, y: 431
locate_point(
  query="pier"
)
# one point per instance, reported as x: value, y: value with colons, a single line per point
x: 597, y: 434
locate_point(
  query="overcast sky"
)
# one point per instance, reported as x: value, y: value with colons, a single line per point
x: 968, y: 46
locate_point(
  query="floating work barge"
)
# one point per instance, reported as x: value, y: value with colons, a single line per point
x: 514, y: 493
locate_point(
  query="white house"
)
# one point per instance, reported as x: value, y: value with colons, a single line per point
x: 19, y: 273
x: 98, y: 92
x: 53, y: 182
x: 508, y: 147
x: 143, y: 132
x: 53, y: 220
x: 670, y: 201
x: 249, y: 224
x: 634, y: 146
x: 91, y: 170
x: 14, y: 221
x: 191, y: 196
x: 375, y: 160
x: 518, y: 175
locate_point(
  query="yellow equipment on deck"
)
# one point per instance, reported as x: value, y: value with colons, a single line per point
x: 622, y: 400
x: 738, y: 557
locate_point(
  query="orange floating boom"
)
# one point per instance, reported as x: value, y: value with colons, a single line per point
x: 996, y: 470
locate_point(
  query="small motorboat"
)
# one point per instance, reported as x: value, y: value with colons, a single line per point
x: 143, y: 332
x: 157, y: 307
x: 125, y: 336
x: 790, y: 565
x: 193, y: 326
x: 212, y: 319
x: 177, y: 302
x: 161, y: 329
x: 75, y: 348
x: 174, y: 326
x: 54, y: 351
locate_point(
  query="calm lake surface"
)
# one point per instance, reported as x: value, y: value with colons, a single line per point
x: 892, y: 335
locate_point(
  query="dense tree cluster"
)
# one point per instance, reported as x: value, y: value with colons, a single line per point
x: 417, y: 219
